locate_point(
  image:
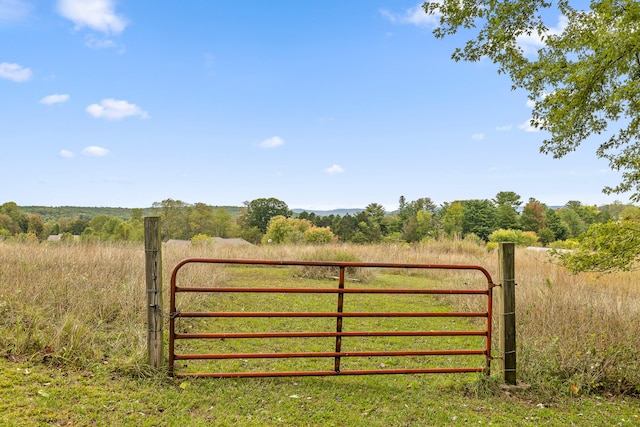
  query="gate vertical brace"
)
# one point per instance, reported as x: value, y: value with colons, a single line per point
x: 153, y: 273
x: 507, y: 318
x: 339, y: 320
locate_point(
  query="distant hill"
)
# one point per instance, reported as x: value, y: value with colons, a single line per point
x: 84, y: 212
x: 76, y: 212
x: 341, y: 212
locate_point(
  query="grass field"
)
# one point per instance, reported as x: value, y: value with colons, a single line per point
x: 73, y: 345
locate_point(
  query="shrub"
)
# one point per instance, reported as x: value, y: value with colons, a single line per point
x: 322, y: 273
x: 286, y: 230
x: 393, y: 237
x: 473, y: 238
x: 201, y: 239
x: 318, y: 235
x: 519, y: 237
x: 492, y: 246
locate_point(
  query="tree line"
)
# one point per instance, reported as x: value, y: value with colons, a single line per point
x: 269, y: 220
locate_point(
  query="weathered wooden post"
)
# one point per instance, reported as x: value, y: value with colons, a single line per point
x: 153, y: 270
x: 507, y: 318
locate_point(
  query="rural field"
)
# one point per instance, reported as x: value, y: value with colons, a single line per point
x: 73, y: 343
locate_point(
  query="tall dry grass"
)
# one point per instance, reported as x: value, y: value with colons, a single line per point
x: 71, y: 302
x: 84, y: 304
x: 578, y: 332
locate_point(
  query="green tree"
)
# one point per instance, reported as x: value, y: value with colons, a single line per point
x: 260, y: 211
x: 410, y: 230
x: 546, y: 236
x: 612, y: 211
x: 508, y: 198
x: 556, y: 225
x: 51, y: 227
x: 507, y: 217
x: 406, y: 220
x: 175, y: 219
x: 111, y: 229
x: 452, y: 219
x: 583, y: 79
x: 201, y: 219
x: 532, y: 217
x: 97, y: 222
x: 588, y: 214
x: 135, y: 232
x: 345, y: 227
x: 606, y: 247
x: 251, y: 234
x: 574, y: 224
x: 76, y: 226
x: 479, y: 218
x: 421, y: 204
x: 326, y: 221
x: 376, y: 218
x: 222, y: 223
x: 630, y: 213
x: 426, y: 225
x: 121, y: 231
x: 36, y: 226
x: 18, y: 221
x: 507, y: 203
x: 420, y: 226
x: 372, y: 224
x: 8, y: 225
x: 311, y: 216
x: 402, y: 206
x: 136, y: 214
x: 375, y: 211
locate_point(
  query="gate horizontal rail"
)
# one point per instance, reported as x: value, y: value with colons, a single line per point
x: 339, y: 315
x: 328, y: 314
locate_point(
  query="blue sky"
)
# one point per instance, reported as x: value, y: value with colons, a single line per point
x: 326, y: 104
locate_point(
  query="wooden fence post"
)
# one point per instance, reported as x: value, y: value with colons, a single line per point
x: 507, y: 318
x: 153, y: 270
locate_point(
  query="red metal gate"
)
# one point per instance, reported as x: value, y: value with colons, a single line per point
x: 336, y: 351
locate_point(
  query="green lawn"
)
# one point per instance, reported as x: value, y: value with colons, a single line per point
x: 39, y: 395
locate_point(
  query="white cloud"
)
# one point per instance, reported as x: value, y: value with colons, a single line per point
x: 113, y: 109
x: 528, y: 127
x: 14, y: 72
x: 531, y: 103
x: 415, y: 16
x: 98, y: 15
x: 13, y: 10
x: 478, y: 136
x: 272, y: 142
x: 532, y: 42
x: 334, y: 169
x: 66, y: 154
x: 54, y: 99
x: 95, y: 43
x: 95, y: 151
x: 503, y: 128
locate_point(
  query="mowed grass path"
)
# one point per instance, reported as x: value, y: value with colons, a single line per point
x: 278, y: 277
